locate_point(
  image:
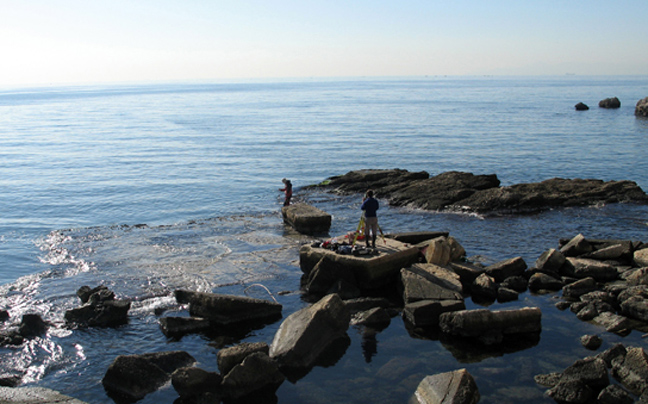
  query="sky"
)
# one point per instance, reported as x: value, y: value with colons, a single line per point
x: 100, y: 41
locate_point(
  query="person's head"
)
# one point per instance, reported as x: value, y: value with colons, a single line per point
x: 285, y: 181
x: 370, y: 194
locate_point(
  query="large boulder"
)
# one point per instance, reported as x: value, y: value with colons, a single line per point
x: 305, y: 334
x: 222, y: 310
x: 540, y: 281
x: 194, y: 384
x: 32, y: 325
x: 484, y: 287
x: 419, y: 284
x: 610, y: 103
x: 641, y: 109
x: 456, y: 387
x: 426, y: 313
x: 99, y: 309
x: 550, y: 260
x: 586, y: 267
x: 132, y: 377
x: 307, y: 219
x: 632, y: 372
x: 490, y: 327
x: 576, y: 246
x: 581, y: 107
x: 641, y: 257
x: 507, y: 268
x: 575, y: 290
x: 227, y: 358
x: 256, y: 377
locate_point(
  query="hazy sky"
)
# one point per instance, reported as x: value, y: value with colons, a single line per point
x: 88, y: 41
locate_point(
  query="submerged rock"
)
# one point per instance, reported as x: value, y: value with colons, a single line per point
x: 222, y: 309
x: 456, y: 387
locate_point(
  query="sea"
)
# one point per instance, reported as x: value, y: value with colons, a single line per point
x: 148, y: 188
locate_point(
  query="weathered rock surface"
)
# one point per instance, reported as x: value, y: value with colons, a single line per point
x: 641, y: 257
x: 194, y: 384
x: 100, y: 309
x: 610, y: 103
x: 482, y: 193
x: 227, y: 358
x: 426, y: 313
x: 34, y: 395
x: 172, y: 326
x: 641, y: 109
x: 257, y: 374
x: 307, y: 219
x: 632, y: 372
x: 456, y: 387
x: 305, y: 334
x: 490, y: 327
x: 132, y: 377
x: 221, y: 309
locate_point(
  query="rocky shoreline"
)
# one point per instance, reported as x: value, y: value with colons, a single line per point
x: 466, y: 192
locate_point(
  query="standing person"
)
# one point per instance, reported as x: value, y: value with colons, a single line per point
x: 288, y: 190
x: 370, y: 206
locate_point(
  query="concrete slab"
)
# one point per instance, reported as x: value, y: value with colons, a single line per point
x: 306, y: 219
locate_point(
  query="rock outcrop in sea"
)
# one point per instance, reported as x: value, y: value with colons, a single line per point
x: 467, y: 192
x: 641, y: 109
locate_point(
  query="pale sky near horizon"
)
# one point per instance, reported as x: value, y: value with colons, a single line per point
x: 85, y: 41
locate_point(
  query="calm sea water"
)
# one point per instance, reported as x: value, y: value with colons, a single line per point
x: 153, y: 187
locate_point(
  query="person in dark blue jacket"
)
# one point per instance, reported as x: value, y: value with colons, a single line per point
x: 370, y: 206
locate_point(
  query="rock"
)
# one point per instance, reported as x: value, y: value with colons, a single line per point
x: 591, y: 371
x: 641, y: 109
x: 632, y: 372
x: 613, y: 322
x: 506, y: 295
x: 192, y: 382
x: 107, y: 313
x: 610, y: 103
x: 439, y: 275
x: 376, y: 317
x: 456, y: 387
x: 307, y: 219
x: 614, y: 354
x: 491, y: 326
x: 4, y: 316
x: 178, y: 326
x: 641, y: 257
x: 637, y: 277
x: 224, y: 310
x: 507, y: 268
x: 438, y: 251
x: 548, y: 380
x: 550, y: 260
x: 585, y: 267
x: 614, y: 394
x: 612, y: 252
x: 592, y: 342
x: 229, y: 357
x: 420, y: 286
x: 576, y: 246
x: 101, y: 292
x: 11, y: 379
x: 132, y: 377
x: 457, y: 252
x: 305, y: 334
x: 257, y: 373
x: 34, y: 395
x: 516, y: 283
x: 32, y: 325
x: 324, y: 276
x: 635, y: 307
x: 467, y: 273
x: 366, y: 303
x: 578, y: 288
x: 581, y: 107
x: 484, y: 287
x: 541, y: 281
x: 425, y: 313
x: 573, y: 391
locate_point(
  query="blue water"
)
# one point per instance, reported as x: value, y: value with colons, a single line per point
x: 200, y: 165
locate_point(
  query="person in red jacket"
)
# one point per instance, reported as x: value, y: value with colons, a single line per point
x: 288, y: 190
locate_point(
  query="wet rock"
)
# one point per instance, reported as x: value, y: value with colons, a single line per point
x: 35, y: 395
x: 194, y: 384
x: 4, y: 316
x: 178, y: 326
x: 132, y: 377
x: 99, y: 309
x: 591, y: 371
x: 376, y: 317
x: 585, y: 267
x: 224, y: 310
x: 324, y: 276
x: 632, y: 372
x: 641, y: 109
x: 516, y: 283
x: 227, y: 358
x: 456, y: 387
x: 578, y: 288
x: 613, y: 322
x: 576, y: 246
x: 592, y: 342
x: 614, y: 394
x: 506, y: 295
x: 426, y: 313
x: 635, y: 307
x: 641, y: 257
x: 307, y: 219
x: 550, y: 260
x: 257, y: 376
x: 540, y: 281
x: 417, y: 284
x: 615, y: 353
x: 573, y: 391
x: 610, y: 103
x: 490, y: 327
x: 305, y: 334
x: 32, y: 325
x: 11, y: 379
x: 581, y: 107
x: 484, y: 288
x: 507, y: 268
